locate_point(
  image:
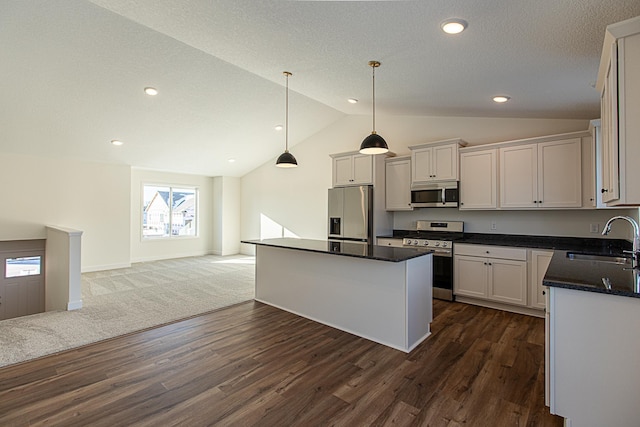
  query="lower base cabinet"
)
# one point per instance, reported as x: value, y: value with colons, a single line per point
x: 501, y: 277
x: 494, y: 273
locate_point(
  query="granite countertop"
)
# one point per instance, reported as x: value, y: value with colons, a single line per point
x: 344, y: 248
x: 579, y: 274
x: 600, y: 276
x: 590, y: 245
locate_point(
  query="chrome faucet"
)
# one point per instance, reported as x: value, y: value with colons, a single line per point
x: 636, y: 236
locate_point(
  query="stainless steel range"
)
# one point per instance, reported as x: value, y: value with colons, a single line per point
x: 438, y: 236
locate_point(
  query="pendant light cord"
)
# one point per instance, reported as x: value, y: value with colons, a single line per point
x: 373, y: 79
x: 286, y: 116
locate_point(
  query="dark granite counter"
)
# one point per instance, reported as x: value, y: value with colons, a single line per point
x: 585, y: 275
x: 601, y: 276
x: 590, y: 245
x: 358, y: 250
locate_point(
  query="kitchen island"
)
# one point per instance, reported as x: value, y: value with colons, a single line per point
x: 379, y: 293
x: 593, y: 338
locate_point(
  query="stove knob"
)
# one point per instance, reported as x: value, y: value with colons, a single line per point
x: 437, y: 244
x: 444, y: 244
x: 415, y: 242
x: 425, y: 243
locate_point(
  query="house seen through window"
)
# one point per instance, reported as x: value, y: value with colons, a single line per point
x: 169, y: 211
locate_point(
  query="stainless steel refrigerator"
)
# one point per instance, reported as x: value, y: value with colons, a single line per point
x: 351, y: 214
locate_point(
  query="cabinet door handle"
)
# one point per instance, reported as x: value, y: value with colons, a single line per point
x: 604, y: 190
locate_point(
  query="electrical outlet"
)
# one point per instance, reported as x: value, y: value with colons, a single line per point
x: 594, y: 228
x: 494, y: 226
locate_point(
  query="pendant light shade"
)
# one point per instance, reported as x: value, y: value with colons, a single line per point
x: 374, y: 143
x: 286, y: 159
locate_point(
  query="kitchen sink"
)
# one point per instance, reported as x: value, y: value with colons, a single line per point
x: 613, y: 259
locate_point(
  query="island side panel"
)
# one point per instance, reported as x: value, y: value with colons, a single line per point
x: 360, y: 296
x: 419, y: 299
x: 595, y: 347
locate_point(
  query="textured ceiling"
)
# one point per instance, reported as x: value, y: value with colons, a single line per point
x: 73, y: 71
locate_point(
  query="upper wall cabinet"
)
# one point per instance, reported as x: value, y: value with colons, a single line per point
x: 543, y: 175
x: 619, y: 87
x: 553, y: 172
x: 479, y: 178
x: 352, y: 169
x: 435, y: 161
x: 398, y: 183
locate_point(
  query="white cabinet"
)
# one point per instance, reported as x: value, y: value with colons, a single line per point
x: 494, y: 273
x: 542, y: 175
x: 437, y: 161
x: 352, y: 169
x: 478, y: 179
x: 609, y: 121
x: 398, y: 183
x: 389, y: 241
x: 594, y: 348
x: 540, y: 260
x: 619, y: 87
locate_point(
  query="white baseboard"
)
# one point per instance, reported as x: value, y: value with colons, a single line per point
x: 92, y: 268
x: 501, y: 306
x: 175, y: 256
x: 74, y: 305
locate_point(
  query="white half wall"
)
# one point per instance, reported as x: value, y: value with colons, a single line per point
x: 87, y: 196
x: 155, y: 249
x: 63, y: 280
x: 294, y: 201
x: 226, y: 215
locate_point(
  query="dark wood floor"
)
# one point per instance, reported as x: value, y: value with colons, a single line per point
x: 252, y: 364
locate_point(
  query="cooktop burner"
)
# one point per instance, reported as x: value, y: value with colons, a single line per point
x: 450, y: 236
x: 437, y: 230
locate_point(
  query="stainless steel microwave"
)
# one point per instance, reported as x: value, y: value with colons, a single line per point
x: 436, y: 195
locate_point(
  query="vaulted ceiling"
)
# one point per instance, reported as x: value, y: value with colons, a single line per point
x: 73, y: 71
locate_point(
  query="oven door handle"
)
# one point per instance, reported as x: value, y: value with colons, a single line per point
x: 444, y: 253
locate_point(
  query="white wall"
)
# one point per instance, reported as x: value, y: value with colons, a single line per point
x: 295, y: 200
x: 91, y: 197
x: 575, y: 223
x: 154, y: 249
x: 226, y: 216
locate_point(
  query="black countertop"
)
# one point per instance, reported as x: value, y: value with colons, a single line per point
x: 564, y: 272
x: 357, y: 250
x: 591, y: 245
x: 601, y: 276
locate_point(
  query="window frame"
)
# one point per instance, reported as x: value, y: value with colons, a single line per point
x: 171, y: 188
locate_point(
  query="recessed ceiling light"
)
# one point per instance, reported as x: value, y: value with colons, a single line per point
x: 454, y: 26
x: 116, y: 142
x: 231, y: 160
x: 352, y: 101
x: 278, y: 127
x: 501, y: 99
x: 151, y: 91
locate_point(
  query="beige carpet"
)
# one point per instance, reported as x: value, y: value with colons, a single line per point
x: 116, y: 302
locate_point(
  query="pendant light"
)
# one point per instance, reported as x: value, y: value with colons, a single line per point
x: 374, y: 143
x: 286, y: 159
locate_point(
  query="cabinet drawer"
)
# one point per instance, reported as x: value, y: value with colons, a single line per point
x: 489, y: 251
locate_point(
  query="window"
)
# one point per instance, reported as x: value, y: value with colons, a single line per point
x: 23, y: 266
x: 169, y: 211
